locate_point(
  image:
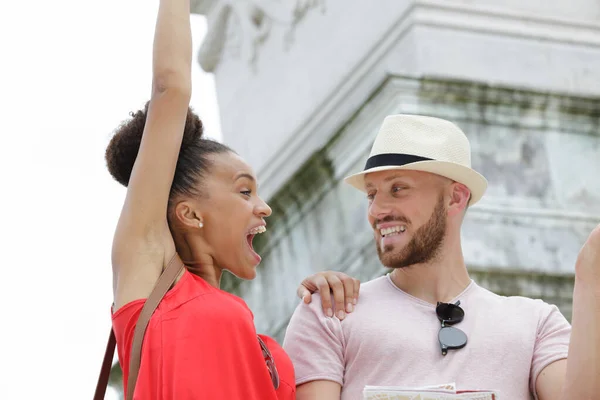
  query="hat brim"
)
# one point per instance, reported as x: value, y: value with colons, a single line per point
x: 472, y: 179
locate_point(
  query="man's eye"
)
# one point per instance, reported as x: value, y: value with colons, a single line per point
x: 371, y: 196
x: 397, y: 189
x: 246, y: 192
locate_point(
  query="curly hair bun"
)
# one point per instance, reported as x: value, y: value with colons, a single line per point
x: 123, y: 148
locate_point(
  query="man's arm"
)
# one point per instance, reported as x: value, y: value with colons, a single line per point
x: 578, y: 377
x: 319, y: 390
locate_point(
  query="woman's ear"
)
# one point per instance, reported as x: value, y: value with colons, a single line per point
x: 187, y: 214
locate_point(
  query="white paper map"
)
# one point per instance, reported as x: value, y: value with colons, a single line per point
x: 437, y: 392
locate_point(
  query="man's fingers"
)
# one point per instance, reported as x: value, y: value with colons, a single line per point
x: 348, y: 292
x: 356, y: 290
x: 304, y: 294
x: 323, y: 288
x: 343, y: 287
x: 337, y: 287
x: 300, y: 291
x: 307, y: 286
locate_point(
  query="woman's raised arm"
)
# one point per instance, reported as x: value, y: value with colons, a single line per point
x: 142, y: 243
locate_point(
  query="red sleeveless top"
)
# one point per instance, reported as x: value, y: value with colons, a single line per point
x: 201, y: 344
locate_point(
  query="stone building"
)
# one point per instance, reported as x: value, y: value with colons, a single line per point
x: 303, y: 86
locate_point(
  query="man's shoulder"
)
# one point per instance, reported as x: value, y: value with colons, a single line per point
x: 518, y: 303
x: 374, y: 285
x: 369, y: 288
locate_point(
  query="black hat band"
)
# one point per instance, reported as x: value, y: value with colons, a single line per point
x: 396, y: 159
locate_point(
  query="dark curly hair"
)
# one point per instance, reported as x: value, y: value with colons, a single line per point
x: 192, y: 164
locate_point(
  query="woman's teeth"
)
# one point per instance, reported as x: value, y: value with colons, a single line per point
x: 257, y: 230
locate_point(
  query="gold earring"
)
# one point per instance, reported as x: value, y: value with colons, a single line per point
x: 200, y: 224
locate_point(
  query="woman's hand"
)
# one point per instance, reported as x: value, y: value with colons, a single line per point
x: 344, y: 288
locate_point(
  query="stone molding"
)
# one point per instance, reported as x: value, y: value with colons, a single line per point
x: 245, y: 24
x: 497, y: 20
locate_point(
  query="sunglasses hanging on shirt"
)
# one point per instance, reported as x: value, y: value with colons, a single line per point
x: 450, y: 338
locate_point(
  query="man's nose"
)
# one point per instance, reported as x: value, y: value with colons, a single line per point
x: 379, y: 209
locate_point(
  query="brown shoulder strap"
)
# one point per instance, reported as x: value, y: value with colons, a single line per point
x: 165, y: 281
x: 106, y: 364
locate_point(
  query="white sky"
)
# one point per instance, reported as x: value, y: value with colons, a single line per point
x: 71, y: 71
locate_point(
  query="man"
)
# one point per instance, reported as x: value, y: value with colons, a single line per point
x: 419, y: 183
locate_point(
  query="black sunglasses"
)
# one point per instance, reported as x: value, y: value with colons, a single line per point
x: 450, y: 337
x: 270, y: 363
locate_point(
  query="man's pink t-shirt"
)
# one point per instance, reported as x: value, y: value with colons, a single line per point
x: 391, y: 339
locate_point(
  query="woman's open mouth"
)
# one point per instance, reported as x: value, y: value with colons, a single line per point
x: 250, y: 237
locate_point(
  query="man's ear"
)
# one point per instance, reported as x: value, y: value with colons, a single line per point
x: 459, y: 199
x: 187, y: 214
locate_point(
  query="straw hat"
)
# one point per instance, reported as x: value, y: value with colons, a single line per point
x: 421, y: 143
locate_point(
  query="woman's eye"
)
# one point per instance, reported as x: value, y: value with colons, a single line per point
x: 396, y: 189
x: 246, y: 192
x: 370, y: 196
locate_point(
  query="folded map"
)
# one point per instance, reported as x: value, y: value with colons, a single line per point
x: 446, y: 391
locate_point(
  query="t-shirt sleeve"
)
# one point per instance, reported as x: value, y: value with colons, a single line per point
x: 552, y: 342
x: 315, y: 344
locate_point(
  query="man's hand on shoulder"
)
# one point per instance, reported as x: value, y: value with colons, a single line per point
x: 344, y: 288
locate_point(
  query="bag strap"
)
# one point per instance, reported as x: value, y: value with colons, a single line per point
x: 106, y: 364
x: 164, y: 283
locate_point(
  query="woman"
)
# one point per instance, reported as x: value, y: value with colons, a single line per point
x: 197, y: 199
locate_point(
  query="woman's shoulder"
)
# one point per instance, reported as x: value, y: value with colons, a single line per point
x: 191, y: 297
x: 194, y: 296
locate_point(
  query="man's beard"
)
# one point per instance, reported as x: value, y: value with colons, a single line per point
x: 424, y: 246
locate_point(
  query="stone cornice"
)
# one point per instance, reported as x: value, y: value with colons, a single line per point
x: 253, y: 21
x: 496, y: 20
